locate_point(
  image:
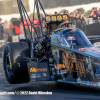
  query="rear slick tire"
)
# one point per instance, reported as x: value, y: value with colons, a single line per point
x: 15, y: 68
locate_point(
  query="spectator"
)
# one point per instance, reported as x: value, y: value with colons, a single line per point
x: 72, y: 19
x: 90, y: 15
x: 94, y: 15
x: 43, y: 22
x: 55, y: 13
x: 21, y: 36
x: 99, y: 12
x: 6, y: 28
x: 77, y: 20
x: 36, y: 24
x: 15, y: 26
x: 83, y: 22
x: 1, y: 27
x: 76, y: 12
x: 66, y: 12
x: 82, y: 17
x: 26, y: 23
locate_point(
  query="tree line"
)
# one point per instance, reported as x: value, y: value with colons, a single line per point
x: 57, y: 3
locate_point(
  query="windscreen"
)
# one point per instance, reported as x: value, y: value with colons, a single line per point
x: 77, y: 39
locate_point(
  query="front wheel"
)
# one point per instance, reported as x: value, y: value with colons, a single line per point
x: 15, y: 68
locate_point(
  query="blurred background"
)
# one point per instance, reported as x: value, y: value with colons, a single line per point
x: 57, y: 3
x: 83, y: 14
x: 9, y: 8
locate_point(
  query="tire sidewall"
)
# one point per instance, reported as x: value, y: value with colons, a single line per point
x: 7, y: 51
x: 16, y: 51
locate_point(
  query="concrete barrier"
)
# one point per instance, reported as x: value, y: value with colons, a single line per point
x: 93, y: 29
x: 94, y: 38
x: 13, y: 38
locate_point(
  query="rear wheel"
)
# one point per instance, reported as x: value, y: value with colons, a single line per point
x: 16, y: 70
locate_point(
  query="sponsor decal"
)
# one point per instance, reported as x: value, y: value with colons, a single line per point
x: 63, y: 71
x: 97, y: 73
x: 59, y: 66
x: 10, y: 61
x: 36, y: 75
x: 53, y: 71
x: 77, y: 66
x: 71, y: 38
x: 44, y: 74
x: 74, y: 65
x: 52, y: 77
x: 50, y: 60
x: 51, y: 65
x: 97, y: 68
x: 71, y: 64
x: 82, y: 49
x: 38, y: 70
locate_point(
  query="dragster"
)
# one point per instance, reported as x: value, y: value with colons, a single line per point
x: 58, y: 52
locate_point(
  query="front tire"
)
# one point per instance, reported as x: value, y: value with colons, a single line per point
x: 15, y: 68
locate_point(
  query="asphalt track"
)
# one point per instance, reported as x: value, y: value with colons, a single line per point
x: 60, y: 91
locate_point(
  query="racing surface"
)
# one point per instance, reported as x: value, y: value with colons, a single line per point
x: 60, y: 91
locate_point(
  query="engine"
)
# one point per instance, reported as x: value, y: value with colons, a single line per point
x: 42, y: 48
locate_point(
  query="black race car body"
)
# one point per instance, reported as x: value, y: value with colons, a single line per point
x: 74, y: 53
x: 57, y: 52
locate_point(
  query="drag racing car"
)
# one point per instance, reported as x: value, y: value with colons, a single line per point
x: 58, y: 52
